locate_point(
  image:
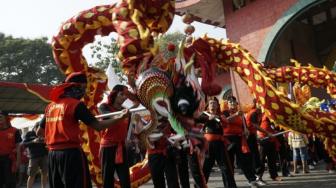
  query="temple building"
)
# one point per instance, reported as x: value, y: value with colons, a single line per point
x: 273, y: 31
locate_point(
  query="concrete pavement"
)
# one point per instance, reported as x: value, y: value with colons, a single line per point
x: 318, y: 178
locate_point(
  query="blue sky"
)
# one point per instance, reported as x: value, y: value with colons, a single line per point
x: 42, y: 18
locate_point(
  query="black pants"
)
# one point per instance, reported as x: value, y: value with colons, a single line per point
x: 217, y: 152
x: 284, y: 156
x: 163, y: 167
x: 182, y: 167
x: 68, y: 168
x: 245, y: 160
x: 7, y: 177
x: 267, y: 149
x: 196, y: 170
x: 253, y: 145
x: 109, y: 166
x: 184, y: 158
x: 132, y: 156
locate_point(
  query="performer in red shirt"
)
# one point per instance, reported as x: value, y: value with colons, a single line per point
x: 268, y: 148
x: 113, y: 153
x: 253, y: 120
x: 161, y: 161
x: 213, y: 133
x: 235, y: 133
x: 68, y: 166
x: 10, y: 139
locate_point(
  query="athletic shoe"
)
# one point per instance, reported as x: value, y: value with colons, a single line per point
x: 261, y: 182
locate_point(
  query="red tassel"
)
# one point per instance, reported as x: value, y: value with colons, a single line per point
x: 244, y: 146
x: 119, y: 154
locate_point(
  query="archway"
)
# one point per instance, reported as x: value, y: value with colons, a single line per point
x: 305, y: 33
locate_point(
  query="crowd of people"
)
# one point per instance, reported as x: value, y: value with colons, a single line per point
x: 234, y: 140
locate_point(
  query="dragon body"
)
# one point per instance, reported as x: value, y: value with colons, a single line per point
x: 136, y: 22
x: 277, y: 106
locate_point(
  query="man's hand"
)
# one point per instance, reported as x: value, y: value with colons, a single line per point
x: 212, y: 116
x: 124, y: 113
x: 240, y: 113
x: 270, y: 135
x: 246, y: 133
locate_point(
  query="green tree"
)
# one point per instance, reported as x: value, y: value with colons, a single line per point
x: 27, y: 61
x: 104, y: 54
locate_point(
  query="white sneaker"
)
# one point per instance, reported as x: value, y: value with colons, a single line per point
x: 261, y: 182
x: 253, y: 184
x: 311, y: 167
x: 331, y: 171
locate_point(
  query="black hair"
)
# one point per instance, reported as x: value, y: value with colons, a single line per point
x: 213, y: 99
x: 75, y: 91
x: 116, y: 89
x: 76, y: 77
x: 4, y: 113
x: 232, y: 99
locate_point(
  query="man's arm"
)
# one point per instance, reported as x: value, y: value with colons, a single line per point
x: 40, y: 129
x: 82, y: 113
x: 262, y: 130
x: 231, y: 118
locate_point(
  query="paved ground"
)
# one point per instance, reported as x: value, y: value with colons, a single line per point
x: 318, y: 178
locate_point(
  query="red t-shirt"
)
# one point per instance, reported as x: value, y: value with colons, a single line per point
x: 266, y: 125
x: 62, y: 127
x: 117, y: 133
x: 8, y: 140
x: 251, y: 117
x: 234, y: 127
x: 160, y: 146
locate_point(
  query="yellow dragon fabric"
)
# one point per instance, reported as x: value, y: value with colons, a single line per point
x: 136, y: 22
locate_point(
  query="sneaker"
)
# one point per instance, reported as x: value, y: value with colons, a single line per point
x: 261, y: 182
x: 253, y: 184
x: 311, y: 167
x: 331, y: 171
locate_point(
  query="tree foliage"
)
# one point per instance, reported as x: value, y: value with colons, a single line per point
x: 105, y: 54
x: 27, y: 61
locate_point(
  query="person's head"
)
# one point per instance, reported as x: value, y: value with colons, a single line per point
x: 256, y: 105
x: 3, y: 119
x: 117, y: 95
x: 213, y: 105
x: 79, y: 81
x: 232, y: 103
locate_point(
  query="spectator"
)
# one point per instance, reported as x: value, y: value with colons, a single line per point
x: 298, y: 142
x: 10, y: 156
x: 23, y: 166
x: 38, y: 158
